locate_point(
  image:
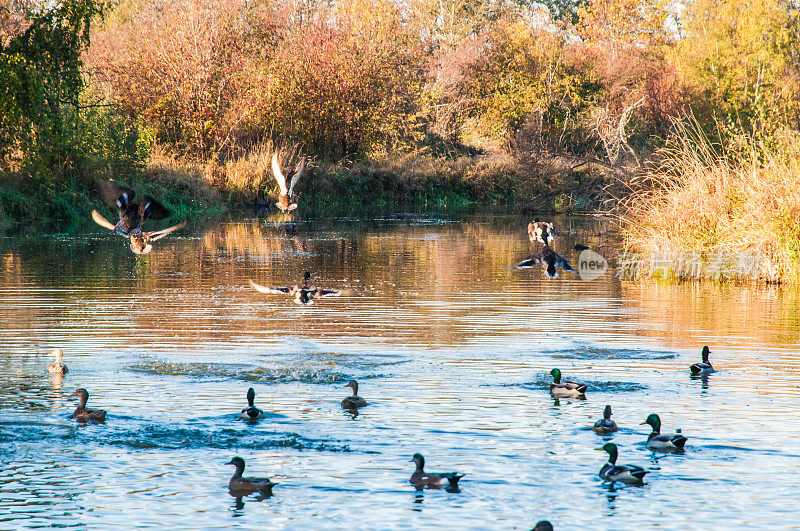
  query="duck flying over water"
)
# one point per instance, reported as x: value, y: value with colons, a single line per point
x: 605, y: 425
x: 239, y: 485
x: 549, y: 258
x: 611, y: 471
x: 541, y: 231
x: 304, y: 293
x: 287, y: 194
x: 57, y: 367
x: 420, y: 478
x: 704, y: 367
x: 132, y: 216
x: 565, y: 389
x: 663, y: 443
x: 251, y: 412
x: 82, y: 412
x: 354, y: 401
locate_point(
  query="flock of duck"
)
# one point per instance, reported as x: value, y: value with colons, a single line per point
x: 132, y: 216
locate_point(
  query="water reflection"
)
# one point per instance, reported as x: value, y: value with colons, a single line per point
x: 449, y: 338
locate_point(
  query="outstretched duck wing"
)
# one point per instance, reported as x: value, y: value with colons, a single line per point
x: 276, y: 171
x: 328, y: 292
x: 532, y: 260
x: 103, y: 222
x: 561, y: 262
x: 158, y: 234
x: 265, y: 289
x: 301, y: 170
x: 115, y: 195
x: 149, y: 208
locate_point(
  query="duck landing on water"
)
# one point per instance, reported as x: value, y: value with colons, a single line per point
x: 304, y: 293
x: 541, y: 231
x: 287, y: 194
x: 132, y: 216
x: 549, y: 258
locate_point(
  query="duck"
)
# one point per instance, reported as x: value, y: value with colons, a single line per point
x: 663, y: 443
x: 549, y: 258
x: 133, y: 215
x: 244, y: 486
x: 420, y: 478
x: 354, y: 401
x: 84, y: 413
x: 612, y: 472
x: 543, y: 525
x: 57, y: 367
x: 541, y: 231
x: 565, y: 389
x: 251, y: 412
x: 304, y: 293
x: 286, y: 194
x: 605, y: 425
x: 704, y: 367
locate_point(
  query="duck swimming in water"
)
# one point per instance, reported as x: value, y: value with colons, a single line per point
x: 305, y: 293
x: 251, y: 412
x: 663, y: 443
x: 549, y: 258
x: 239, y: 485
x: 57, y: 367
x: 541, y: 231
x: 286, y: 194
x: 132, y: 216
x: 704, y: 367
x: 354, y: 401
x: 84, y: 413
x: 565, y: 389
x: 543, y: 525
x: 420, y: 478
x: 611, y: 471
x: 605, y: 425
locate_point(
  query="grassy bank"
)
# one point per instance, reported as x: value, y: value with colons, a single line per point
x: 726, y: 215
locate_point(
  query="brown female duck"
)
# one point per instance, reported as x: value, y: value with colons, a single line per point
x: 132, y: 216
x: 84, y: 413
x: 241, y: 486
x: 57, y: 367
x: 286, y: 194
x: 304, y: 293
x: 354, y: 401
x: 420, y: 478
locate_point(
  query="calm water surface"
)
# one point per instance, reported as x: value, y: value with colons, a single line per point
x: 451, y: 347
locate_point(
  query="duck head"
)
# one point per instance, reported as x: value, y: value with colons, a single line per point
x: 139, y: 244
x: 607, y: 412
x: 419, y: 461
x: 654, y: 421
x: 354, y: 386
x: 307, y: 275
x: 543, y: 525
x: 611, y: 449
x: 82, y: 395
x: 706, y: 352
x: 251, y: 396
x: 58, y: 353
x: 238, y: 462
x: 556, y: 374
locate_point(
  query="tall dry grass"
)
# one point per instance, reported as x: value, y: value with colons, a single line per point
x: 733, y: 205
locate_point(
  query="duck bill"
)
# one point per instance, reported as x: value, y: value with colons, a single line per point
x: 601, y: 448
x: 642, y: 423
x: 230, y: 462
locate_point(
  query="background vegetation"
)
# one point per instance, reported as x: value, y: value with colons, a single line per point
x: 547, y: 105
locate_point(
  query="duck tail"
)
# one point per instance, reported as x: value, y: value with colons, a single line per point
x: 695, y: 369
x: 679, y: 440
x: 581, y: 388
x: 453, y: 478
x: 638, y: 474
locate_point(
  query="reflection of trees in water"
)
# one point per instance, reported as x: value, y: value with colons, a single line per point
x: 408, y: 273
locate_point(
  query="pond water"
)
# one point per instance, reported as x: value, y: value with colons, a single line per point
x: 451, y: 347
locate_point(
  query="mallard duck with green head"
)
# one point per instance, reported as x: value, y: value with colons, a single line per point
x: 663, y: 443
x: 704, y: 367
x: 612, y: 472
x: 565, y: 389
x: 251, y: 412
x: 605, y: 425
